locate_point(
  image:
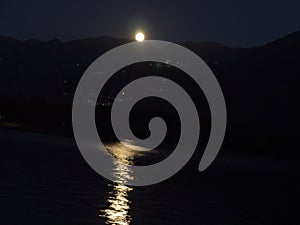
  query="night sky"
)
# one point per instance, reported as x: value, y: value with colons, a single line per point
x: 235, y: 23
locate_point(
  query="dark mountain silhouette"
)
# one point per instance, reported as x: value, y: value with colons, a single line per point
x: 260, y: 84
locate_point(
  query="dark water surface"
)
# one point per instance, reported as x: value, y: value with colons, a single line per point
x: 44, y: 180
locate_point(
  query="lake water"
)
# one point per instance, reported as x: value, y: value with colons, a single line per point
x: 44, y: 180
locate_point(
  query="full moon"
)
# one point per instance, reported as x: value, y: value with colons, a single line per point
x: 139, y: 36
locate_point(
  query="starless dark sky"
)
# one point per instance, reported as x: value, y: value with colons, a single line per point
x: 233, y: 22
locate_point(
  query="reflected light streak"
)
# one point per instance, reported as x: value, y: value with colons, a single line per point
x: 118, y: 201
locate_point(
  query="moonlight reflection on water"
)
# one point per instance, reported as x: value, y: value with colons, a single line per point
x: 118, y: 201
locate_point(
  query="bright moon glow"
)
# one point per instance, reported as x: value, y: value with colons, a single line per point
x: 139, y: 36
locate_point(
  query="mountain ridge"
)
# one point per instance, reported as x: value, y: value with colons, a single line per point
x: 108, y: 37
